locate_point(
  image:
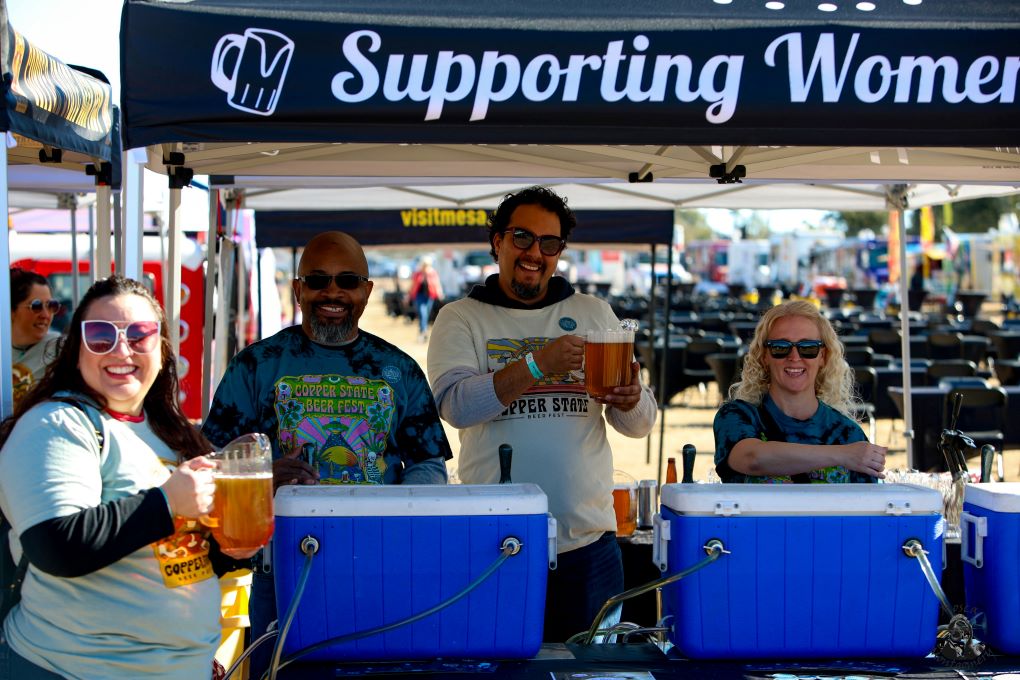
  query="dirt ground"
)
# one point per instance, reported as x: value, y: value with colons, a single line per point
x: 688, y: 419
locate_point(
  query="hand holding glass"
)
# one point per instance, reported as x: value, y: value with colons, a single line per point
x: 607, y: 359
x: 242, y: 516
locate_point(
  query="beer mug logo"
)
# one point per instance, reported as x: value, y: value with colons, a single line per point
x: 251, y: 68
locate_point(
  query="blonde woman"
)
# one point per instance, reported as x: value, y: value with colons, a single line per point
x: 789, y: 419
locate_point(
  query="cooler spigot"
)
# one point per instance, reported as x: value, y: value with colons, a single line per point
x: 309, y: 545
x: 511, y: 544
x: 715, y: 547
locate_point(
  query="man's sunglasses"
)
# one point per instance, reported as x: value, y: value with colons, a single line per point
x: 37, y: 305
x: 101, y: 337
x: 808, y: 349
x: 547, y: 245
x: 345, y: 281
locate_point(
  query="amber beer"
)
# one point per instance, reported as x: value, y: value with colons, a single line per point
x: 242, y: 515
x: 607, y: 359
x: 625, y: 505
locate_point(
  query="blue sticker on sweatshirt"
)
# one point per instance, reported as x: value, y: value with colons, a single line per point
x: 567, y: 324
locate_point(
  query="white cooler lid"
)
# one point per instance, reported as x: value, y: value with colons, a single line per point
x: 400, y: 500
x: 1002, y: 497
x: 801, y: 499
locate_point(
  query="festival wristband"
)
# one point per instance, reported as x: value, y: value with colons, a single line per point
x: 536, y: 372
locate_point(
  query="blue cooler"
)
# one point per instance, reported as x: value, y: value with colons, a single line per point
x: 388, y: 553
x: 990, y: 548
x: 811, y: 571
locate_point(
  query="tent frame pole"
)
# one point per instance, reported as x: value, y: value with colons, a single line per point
x: 897, y: 198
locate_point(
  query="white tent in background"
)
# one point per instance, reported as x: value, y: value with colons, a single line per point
x: 61, y: 136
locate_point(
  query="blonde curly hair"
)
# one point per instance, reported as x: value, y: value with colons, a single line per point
x: 834, y: 383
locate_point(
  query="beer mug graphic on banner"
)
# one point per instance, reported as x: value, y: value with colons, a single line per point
x: 251, y: 68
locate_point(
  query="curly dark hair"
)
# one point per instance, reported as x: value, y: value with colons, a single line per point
x: 499, y: 219
x: 22, y: 281
x: 161, y: 405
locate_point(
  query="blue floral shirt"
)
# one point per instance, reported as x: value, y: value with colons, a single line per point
x: 738, y: 420
x: 360, y: 413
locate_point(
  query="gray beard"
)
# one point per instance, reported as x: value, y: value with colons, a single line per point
x: 332, y: 333
x: 524, y: 292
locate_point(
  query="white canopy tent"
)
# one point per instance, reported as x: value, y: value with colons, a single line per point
x: 815, y: 98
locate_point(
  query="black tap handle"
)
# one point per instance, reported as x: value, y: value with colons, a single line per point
x: 688, y: 453
x: 506, y: 454
x: 957, y: 403
x: 987, y: 456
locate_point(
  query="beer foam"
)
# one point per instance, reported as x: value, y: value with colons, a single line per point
x: 610, y: 336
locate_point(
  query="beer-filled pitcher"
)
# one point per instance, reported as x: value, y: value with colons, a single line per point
x: 608, y: 355
x: 242, y: 516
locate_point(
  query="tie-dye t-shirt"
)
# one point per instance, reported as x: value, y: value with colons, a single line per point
x: 738, y: 420
x: 361, y: 413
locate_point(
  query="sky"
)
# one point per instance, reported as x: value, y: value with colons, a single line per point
x: 87, y: 32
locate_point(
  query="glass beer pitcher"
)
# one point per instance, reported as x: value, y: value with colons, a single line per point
x: 242, y: 514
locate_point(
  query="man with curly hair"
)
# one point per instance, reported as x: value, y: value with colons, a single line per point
x: 505, y: 364
x: 790, y: 418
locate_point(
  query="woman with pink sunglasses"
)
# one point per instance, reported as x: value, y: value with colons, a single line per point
x: 103, y: 482
x: 33, y: 344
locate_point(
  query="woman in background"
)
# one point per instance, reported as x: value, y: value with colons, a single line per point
x: 102, y: 480
x: 33, y: 344
x: 425, y: 290
x: 791, y: 415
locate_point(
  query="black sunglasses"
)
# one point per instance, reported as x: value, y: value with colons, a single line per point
x: 345, y: 281
x: 52, y: 306
x: 547, y: 245
x: 808, y: 349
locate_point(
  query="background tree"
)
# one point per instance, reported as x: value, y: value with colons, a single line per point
x: 695, y: 225
x: 853, y: 221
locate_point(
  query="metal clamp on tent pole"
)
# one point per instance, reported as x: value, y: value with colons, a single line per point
x: 51, y: 154
x: 715, y: 549
x: 178, y: 176
x: 103, y: 172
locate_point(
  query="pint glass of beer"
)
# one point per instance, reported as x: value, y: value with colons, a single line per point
x: 607, y: 359
x: 625, y: 502
x: 242, y: 514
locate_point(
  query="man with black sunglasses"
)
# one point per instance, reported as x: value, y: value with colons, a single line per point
x: 505, y: 364
x: 340, y: 405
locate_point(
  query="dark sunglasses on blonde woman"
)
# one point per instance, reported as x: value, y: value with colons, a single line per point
x: 807, y: 349
x: 101, y: 337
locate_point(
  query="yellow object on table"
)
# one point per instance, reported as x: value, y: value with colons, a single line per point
x: 235, y: 589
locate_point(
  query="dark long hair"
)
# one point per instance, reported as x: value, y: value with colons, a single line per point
x: 161, y: 405
x: 499, y: 219
x: 22, y: 281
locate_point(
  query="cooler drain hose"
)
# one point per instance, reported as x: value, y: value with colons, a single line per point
x: 715, y: 550
x: 509, y: 547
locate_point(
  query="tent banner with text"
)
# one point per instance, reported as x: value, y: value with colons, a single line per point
x: 294, y: 228
x: 291, y: 75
